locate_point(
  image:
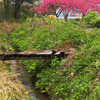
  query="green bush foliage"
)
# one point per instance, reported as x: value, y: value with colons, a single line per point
x: 35, y: 35
x: 92, y: 19
x: 97, y: 22
x: 76, y: 78
x: 46, y: 36
x: 76, y: 82
x: 4, y: 45
x: 10, y: 87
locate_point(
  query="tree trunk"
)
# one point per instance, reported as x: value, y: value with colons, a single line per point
x: 83, y: 15
x: 6, y: 7
x: 18, y: 4
x: 65, y: 17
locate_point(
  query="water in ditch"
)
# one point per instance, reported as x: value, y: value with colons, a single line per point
x: 25, y: 78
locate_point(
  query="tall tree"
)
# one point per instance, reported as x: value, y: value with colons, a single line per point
x: 18, y: 4
x: 82, y: 6
x: 17, y: 8
x: 6, y: 7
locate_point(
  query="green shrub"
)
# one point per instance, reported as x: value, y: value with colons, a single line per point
x: 51, y: 35
x: 58, y: 80
x: 97, y: 24
x: 35, y: 35
x: 65, y: 79
x: 91, y: 19
x: 33, y: 67
x: 74, y: 82
x: 4, y: 43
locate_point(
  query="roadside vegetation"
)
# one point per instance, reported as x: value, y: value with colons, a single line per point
x: 78, y: 76
x: 10, y: 87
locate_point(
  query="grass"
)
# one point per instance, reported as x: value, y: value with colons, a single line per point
x: 6, y: 28
x: 76, y: 77
x: 10, y: 87
x: 71, y: 78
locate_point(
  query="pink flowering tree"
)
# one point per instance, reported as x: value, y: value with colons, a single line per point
x: 82, y: 6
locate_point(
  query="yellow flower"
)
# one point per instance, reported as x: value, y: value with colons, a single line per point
x: 50, y: 17
x: 53, y: 17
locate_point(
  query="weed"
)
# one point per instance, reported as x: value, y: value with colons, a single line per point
x: 71, y: 78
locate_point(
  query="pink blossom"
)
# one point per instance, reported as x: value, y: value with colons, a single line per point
x: 31, y: 9
x: 39, y: 12
x: 83, y: 6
